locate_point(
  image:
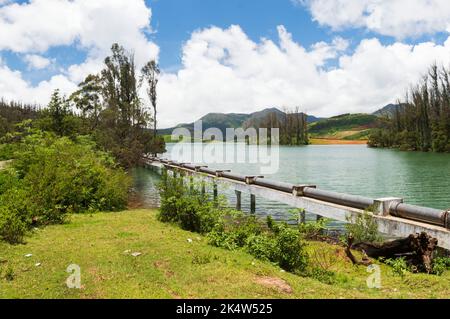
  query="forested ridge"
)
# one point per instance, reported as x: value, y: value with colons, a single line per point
x: 422, y: 121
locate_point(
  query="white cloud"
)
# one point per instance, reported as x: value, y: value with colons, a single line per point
x: 36, y: 61
x: 398, y: 18
x: 33, y: 27
x: 14, y: 87
x: 225, y: 71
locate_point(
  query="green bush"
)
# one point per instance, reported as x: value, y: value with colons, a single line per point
x: 399, y: 266
x: 12, y: 226
x: 262, y: 247
x: 51, y: 177
x: 292, y: 255
x: 440, y: 265
x: 230, y: 229
x: 363, y: 228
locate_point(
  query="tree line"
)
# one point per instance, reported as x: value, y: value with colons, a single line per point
x: 422, y: 121
x: 107, y: 106
x: 292, y: 125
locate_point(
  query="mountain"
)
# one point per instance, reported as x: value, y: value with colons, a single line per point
x: 387, y: 111
x: 233, y: 120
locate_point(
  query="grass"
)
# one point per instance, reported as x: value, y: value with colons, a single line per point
x: 172, y: 267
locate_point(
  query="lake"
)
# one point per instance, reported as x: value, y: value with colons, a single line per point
x: 420, y: 178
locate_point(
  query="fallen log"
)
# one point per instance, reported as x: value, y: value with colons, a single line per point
x: 416, y: 248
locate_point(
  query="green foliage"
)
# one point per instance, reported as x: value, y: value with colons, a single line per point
x: 363, y: 228
x: 312, y: 230
x: 326, y: 276
x: 229, y: 229
x: 262, y: 247
x: 440, y: 265
x: 8, y: 274
x: 343, y: 122
x: 12, y: 225
x: 422, y: 122
x: 53, y: 176
x: 399, y: 266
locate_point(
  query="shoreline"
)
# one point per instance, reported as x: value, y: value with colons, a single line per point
x: 330, y: 141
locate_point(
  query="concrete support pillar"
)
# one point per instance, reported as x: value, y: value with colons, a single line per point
x: 238, y: 200
x: 203, y: 187
x: 191, y: 184
x: 382, y: 206
x: 215, y: 191
x: 302, y: 216
x: 252, y: 204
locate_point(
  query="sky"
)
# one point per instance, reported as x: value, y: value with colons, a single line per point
x: 326, y: 56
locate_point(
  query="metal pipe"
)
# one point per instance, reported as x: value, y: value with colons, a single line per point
x: 236, y: 177
x: 281, y: 186
x: 424, y: 214
x: 412, y: 212
x: 354, y: 201
x: 189, y: 166
x: 207, y: 170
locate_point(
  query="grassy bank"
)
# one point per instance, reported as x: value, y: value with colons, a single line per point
x: 172, y: 267
x: 329, y: 141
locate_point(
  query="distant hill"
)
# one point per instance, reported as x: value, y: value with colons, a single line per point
x: 345, y: 126
x: 387, y: 111
x: 223, y: 121
x: 341, y: 127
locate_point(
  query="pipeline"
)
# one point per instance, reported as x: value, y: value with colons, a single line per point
x: 281, y: 186
x: 354, y: 201
x: 406, y: 211
x: 423, y: 214
x: 236, y: 177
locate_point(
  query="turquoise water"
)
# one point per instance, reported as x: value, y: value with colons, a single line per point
x: 420, y: 178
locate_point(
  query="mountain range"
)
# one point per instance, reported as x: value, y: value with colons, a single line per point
x: 345, y: 126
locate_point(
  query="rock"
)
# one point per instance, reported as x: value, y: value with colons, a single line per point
x: 28, y: 255
x: 126, y: 252
x: 189, y: 240
x: 136, y: 254
x: 37, y: 264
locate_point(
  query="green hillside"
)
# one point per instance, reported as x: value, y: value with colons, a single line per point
x: 345, y: 126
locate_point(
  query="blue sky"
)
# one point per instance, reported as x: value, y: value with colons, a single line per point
x: 328, y: 56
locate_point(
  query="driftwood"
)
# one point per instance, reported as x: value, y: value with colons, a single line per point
x: 416, y: 248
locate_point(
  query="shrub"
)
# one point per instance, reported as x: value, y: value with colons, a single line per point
x: 51, y: 177
x: 15, y: 216
x: 291, y: 253
x: 12, y: 226
x: 440, y: 265
x: 363, y: 229
x: 262, y: 247
x: 399, y: 266
x: 230, y: 229
x: 63, y: 176
x: 312, y: 230
x: 325, y: 276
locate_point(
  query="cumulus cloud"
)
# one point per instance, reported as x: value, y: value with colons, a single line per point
x: 31, y: 28
x: 397, y: 18
x: 225, y: 71
x: 36, y: 61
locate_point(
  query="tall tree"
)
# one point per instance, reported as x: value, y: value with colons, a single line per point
x: 150, y: 73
